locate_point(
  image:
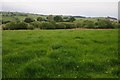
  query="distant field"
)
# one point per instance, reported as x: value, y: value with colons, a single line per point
x: 60, y: 54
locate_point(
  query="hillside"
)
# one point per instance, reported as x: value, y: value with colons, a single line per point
x: 54, y: 21
x: 13, y: 16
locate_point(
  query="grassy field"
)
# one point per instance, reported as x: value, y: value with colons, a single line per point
x: 60, y: 54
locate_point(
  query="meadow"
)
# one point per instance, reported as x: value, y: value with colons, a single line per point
x: 60, y: 54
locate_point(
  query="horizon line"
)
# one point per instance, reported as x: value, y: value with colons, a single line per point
x: 58, y: 14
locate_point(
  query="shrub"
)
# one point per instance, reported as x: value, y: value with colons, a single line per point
x: 50, y: 18
x: 3, y: 27
x: 10, y: 26
x: 48, y: 25
x: 118, y: 26
x: 58, y: 19
x: 17, y: 19
x: 60, y: 26
x: 78, y: 25
x: 15, y: 26
x: 36, y: 24
x: 21, y: 25
x: 30, y: 27
x: 39, y: 19
x: 88, y: 24
x: 4, y: 22
x: 29, y: 20
x: 104, y: 23
x: 70, y: 25
x: 115, y: 24
x: 71, y: 19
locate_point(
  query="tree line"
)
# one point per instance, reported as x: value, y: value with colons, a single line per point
x: 58, y: 22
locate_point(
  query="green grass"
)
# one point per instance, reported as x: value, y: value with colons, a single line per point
x: 60, y: 54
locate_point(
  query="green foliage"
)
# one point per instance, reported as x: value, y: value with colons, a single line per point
x: 115, y: 25
x: 40, y: 19
x: 30, y: 27
x: 104, y: 23
x: 15, y: 26
x: 17, y: 20
x: 70, y: 25
x: 29, y: 20
x: 79, y: 25
x: 50, y: 18
x: 58, y: 19
x: 65, y: 19
x: 88, y: 24
x: 60, y: 26
x: 36, y: 24
x: 4, y: 22
x: 118, y: 25
x: 21, y: 25
x: 10, y: 26
x: 71, y: 19
x: 68, y: 22
x: 48, y: 25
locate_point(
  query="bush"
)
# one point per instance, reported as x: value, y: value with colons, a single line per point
x: 60, y: 26
x: 71, y: 19
x: 50, y: 18
x: 3, y: 27
x: 48, y: 25
x: 104, y: 23
x: 40, y: 19
x: 29, y: 20
x: 88, y: 24
x: 79, y: 25
x: 58, y: 19
x: 21, y: 25
x: 115, y: 25
x: 10, y: 26
x: 4, y: 22
x: 30, y: 27
x: 70, y: 25
x: 36, y: 24
x: 15, y: 26
x: 118, y: 26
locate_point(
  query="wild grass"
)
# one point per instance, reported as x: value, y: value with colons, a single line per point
x: 60, y: 54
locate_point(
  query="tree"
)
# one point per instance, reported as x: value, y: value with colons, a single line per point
x: 66, y: 19
x: 29, y: 20
x: 71, y: 19
x: 58, y: 19
x: 17, y: 19
x: 39, y: 19
x: 50, y: 18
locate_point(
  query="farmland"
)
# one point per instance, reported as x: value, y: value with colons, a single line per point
x: 60, y: 54
x: 29, y: 21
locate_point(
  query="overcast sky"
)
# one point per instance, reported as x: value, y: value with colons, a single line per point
x: 99, y: 8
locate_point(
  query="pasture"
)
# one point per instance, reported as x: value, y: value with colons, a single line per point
x: 60, y: 54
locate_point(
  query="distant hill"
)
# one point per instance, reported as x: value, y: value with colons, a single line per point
x: 112, y: 18
x: 79, y: 17
x: 13, y: 16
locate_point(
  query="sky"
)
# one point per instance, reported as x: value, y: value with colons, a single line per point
x: 89, y: 8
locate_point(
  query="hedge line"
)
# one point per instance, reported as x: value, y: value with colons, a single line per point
x: 60, y: 25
